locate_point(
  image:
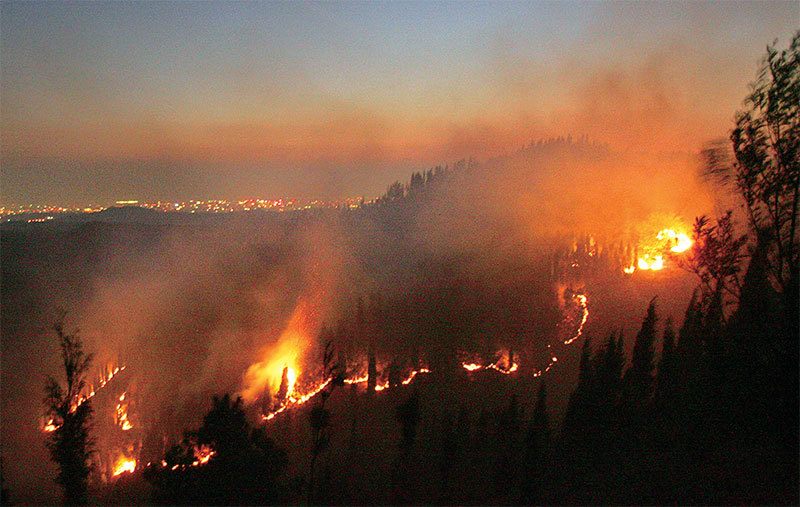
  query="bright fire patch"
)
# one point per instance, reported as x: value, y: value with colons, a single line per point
x: 124, y: 465
x: 652, y: 253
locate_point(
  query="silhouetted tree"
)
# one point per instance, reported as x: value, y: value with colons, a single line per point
x: 609, y: 362
x: 507, y: 448
x: 244, y: 468
x: 581, y: 402
x: 667, y: 376
x: 225, y: 427
x: 638, y: 379
x: 319, y: 417
x: 283, y: 389
x: 70, y: 444
x: 537, y: 450
x: 5, y: 493
x: 716, y: 258
x: 407, y: 413
x: 447, y: 457
x: 766, y: 165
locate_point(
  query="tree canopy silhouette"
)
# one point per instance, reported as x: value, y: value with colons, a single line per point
x: 70, y: 444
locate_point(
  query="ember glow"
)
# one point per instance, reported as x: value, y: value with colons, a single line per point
x: 296, y: 401
x: 50, y: 424
x: 580, y: 300
x: 121, y: 414
x: 667, y: 242
x: 124, y: 465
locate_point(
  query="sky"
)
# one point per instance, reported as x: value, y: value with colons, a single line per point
x: 231, y: 100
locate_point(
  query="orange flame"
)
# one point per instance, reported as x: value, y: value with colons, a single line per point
x: 580, y: 299
x: 295, y: 401
x: 267, y: 373
x: 667, y: 241
x: 681, y: 242
x: 122, y: 414
x: 202, y: 455
x: 124, y: 465
x: 87, y: 395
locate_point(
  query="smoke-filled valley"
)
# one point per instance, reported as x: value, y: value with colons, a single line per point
x: 480, y: 279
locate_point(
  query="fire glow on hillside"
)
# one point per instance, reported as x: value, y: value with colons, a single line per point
x: 667, y: 242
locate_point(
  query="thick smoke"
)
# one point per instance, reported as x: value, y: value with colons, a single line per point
x: 203, y: 307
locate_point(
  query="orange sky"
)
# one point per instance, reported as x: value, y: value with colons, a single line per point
x: 180, y: 101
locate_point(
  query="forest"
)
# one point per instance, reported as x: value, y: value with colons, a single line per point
x: 433, y: 347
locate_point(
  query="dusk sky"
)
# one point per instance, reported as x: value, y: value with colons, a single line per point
x: 185, y: 100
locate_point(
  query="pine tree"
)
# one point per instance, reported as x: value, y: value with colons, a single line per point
x: 537, y: 448
x: 609, y: 363
x: 539, y: 436
x: 666, y: 381
x: 638, y: 380
x: 579, y: 409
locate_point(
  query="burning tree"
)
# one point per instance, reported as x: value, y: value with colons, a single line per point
x: 70, y: 444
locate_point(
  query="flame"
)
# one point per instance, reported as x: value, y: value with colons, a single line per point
x: 296, y: 400
x: 580, y: 300
x: 667, y: 241
x: 654, y: 263
x: 291, y: 377
x: 492, y: 366
x: 681, y: 241
x: 121, y: 414
x: 124, y: 465
x: 50, y: 426
x: 87, y: 395
x: 267, y: 373
x: 202, y: 454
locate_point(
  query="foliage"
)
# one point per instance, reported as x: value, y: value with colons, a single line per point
x: 716, y: 257
x: 70, y: 444
x: 245, y: 468
x: 766, y: 159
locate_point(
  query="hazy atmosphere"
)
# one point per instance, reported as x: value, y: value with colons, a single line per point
x: 399, y: 253
x: 177, y: 101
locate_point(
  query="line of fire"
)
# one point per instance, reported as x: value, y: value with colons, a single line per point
x: 284, y: 387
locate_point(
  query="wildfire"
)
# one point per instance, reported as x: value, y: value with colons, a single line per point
x: 492, y: 366
x: 202, y: 455
x: 105, y: 377
x: 680, y: 241
x: 667, y: 241
x: 124, y: 465
x: 50, y: 426
x: 122, y: 414
x: 267, y: 374
x: 580, y: 300
x: 655, y: 262
x: 296, y: 400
